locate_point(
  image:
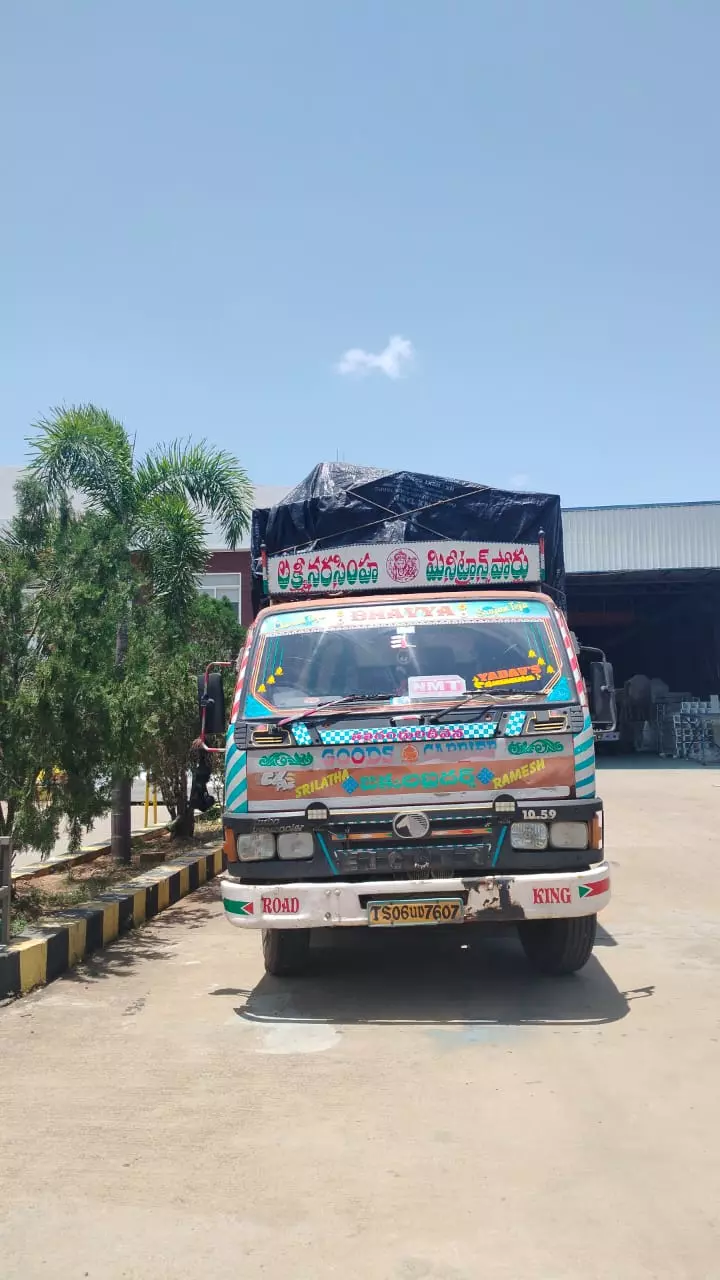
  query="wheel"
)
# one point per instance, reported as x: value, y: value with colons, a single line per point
x: 558, y: 946
x: 285, y: 951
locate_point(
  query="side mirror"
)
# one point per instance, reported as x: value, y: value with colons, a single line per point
x: 211, y: 698
x: 603, y: 708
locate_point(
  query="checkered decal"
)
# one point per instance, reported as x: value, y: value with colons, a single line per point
x: 515, y: 724
x: 302, y: 735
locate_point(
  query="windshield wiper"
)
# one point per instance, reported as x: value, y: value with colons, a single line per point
x: 346, y: 700
x: 488, y: 700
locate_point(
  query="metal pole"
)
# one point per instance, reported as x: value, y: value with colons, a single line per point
x: 147, y: 797
x: 155, y: 803
x: 5, y: 889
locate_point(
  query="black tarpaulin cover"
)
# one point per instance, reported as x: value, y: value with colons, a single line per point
x: 339, y: 504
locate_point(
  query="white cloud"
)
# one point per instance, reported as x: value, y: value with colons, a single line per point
x: 519, y: 481
x: 397, y: 356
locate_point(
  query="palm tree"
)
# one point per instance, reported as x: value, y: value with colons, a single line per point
x: 157, y: 505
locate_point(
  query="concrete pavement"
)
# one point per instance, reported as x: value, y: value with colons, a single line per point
x: 420, y: 1107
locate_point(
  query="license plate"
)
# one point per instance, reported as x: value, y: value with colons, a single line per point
x: 415, y: 911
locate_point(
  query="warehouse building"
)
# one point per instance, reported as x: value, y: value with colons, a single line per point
x: 643, y: 583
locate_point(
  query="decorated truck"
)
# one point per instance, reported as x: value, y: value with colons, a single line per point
x: 411, y: 739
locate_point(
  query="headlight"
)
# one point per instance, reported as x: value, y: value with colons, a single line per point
x: 255, y: 846
x: 569, y: 835
x: 299, y: 844
x: 528, y: 835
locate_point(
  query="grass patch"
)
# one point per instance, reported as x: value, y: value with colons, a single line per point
x: 36, y: 901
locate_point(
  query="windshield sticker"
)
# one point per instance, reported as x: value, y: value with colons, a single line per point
x: 270, y: 680
x: 561, y: 691
x: 435, y: 686
x: 325, y: 619
x: 513, y: 675
x: 254, y: 710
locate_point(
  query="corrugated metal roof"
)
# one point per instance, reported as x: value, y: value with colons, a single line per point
x: 637, y: 539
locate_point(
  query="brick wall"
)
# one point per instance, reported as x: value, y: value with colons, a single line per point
x: 235, y: 562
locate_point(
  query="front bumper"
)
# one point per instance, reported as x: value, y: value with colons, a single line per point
x: 464, y: 841
x: 337, y: 903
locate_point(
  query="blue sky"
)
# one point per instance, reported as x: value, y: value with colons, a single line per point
x: 207, y: 204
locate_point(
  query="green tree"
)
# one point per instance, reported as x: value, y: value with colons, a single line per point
x: 156, y: 505
x: 60, y: 603
x: 162, y: 669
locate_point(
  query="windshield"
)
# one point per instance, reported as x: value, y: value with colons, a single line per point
x: 410, y: 653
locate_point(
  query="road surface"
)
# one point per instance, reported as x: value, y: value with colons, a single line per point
x: 419, y: 1108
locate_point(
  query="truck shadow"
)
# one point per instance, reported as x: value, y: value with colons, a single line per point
x: 478, y: 978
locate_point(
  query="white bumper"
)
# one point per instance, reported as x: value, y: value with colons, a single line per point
x: 338, y: 902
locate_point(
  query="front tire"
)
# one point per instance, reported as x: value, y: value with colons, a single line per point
x: 558, y: 946
x: 285, y: 951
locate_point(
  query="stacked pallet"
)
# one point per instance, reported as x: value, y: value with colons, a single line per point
x: 686, y: 730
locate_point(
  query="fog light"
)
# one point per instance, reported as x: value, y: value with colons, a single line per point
x: 528, y: 835
x: 298, y: 844
x: 256, y: 846
x: 317, y: 813
x: 569, y: 835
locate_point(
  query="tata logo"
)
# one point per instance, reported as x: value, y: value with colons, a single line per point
x: 411, y: 826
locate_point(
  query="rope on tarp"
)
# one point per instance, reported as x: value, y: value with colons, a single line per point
x: 372, y: 524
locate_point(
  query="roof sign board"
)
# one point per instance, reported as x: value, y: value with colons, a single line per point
x: 404, y: 566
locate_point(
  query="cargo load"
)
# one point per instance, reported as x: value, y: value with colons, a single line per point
x: 495, y: 537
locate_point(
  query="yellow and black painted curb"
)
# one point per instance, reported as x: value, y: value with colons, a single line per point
x: 49, y: 951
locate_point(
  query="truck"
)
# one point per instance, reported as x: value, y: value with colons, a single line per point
x: 411, y: 739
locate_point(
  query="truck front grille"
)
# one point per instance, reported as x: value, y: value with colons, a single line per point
x: 416, y: 861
